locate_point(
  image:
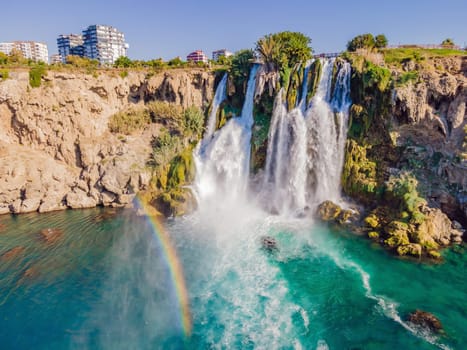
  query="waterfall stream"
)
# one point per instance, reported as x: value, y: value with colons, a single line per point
x: 306, y: 146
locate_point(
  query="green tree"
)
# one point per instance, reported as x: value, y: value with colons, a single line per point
x: 241, y: 62
x: 123, y: 62
x: 224, y: 60
x: 381, y: 41
x: 364, y: 41
x: 448, y: 43
x: 176, y: 62
x: 284, y: 49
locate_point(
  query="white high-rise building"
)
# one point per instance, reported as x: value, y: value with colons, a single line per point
x: 30, y: 49
x: 104, y: 43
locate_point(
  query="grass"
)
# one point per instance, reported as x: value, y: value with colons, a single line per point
x: 407, y: 77
x: 401, y: 55
x: 126, y: 122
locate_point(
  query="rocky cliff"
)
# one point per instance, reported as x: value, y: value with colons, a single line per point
x: 406, y: 152
x: 56, y: 150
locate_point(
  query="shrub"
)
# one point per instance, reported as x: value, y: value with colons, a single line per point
x: 166, y: 113
x: 81, y: 62
x: 403, y: 188
x: 123, y: 74
x: 4, y: 74
x: 165, y: 148
x: 123, y: 62
x: 375, y: 76
x: 129, y: 121
x: 35, y: 75
x: 407, y: 77
x: 193, y: 119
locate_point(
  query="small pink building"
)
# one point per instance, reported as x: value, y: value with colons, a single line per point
x: 197, y: 56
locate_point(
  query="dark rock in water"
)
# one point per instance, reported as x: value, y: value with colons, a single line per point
x: 50, y: 235
x: 426, y: 320
x: 106, y: 214
x: 2, y: 227
x: 13, y: 252
x: 269, y: 243
x: 29, y: 273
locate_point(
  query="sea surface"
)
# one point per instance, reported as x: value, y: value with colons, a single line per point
x: 106, y: 283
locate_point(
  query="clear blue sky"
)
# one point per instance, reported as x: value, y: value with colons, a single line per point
x: 173, y: 28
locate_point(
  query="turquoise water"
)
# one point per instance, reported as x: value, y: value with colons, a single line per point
x: 105, y: 284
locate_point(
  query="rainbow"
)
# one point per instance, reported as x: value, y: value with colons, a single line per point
x: 173, y: 262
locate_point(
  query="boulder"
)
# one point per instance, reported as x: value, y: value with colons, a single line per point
x: 80, y: 200
x: 269, y: 243
x: 412, y: 249
x: 435, y: 229
x: 397, y: 232
x: 329, y: 211
x: 425, y: 320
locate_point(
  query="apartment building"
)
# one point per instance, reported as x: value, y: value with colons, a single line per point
x: 197, y: 56
x: 32, y: 50
x: 100, y: 42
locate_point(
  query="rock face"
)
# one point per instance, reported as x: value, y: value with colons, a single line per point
x: 56, y: 150
x: 406, y: 154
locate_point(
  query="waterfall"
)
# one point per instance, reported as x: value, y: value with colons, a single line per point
x: 306, y: 146
x: 302, y: 103
x: 327, y: 120
x: 218, y: 98
x: 285, y: 171
x: 223, y: 161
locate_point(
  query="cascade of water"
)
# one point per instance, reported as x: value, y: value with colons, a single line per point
x: 218, y: 98
x: 327, y: 127
x: 305, y: 155
x: 223, y: 165
x: 285, y: 171
x: 302, y: 103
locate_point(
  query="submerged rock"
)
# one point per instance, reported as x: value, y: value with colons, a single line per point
x: 426, y: 320
x: 13, y: 252
x: 269, y: 243
x: 50, y: 235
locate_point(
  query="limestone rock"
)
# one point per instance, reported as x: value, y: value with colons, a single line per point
x: 56, y: 150
x: 329, y: 211
x: 412, y: 249
x: 79, y: 200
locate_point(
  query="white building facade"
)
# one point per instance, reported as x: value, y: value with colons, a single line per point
x: 32, y: 50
